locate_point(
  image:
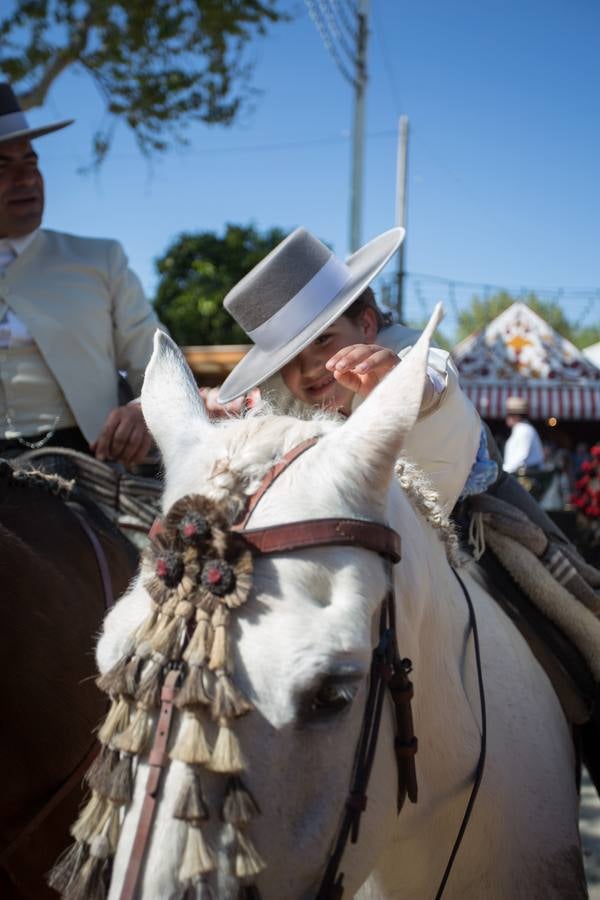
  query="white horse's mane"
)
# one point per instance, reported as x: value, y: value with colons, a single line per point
x: 250, y: 453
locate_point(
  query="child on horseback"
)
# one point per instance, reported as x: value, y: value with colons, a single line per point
x: 320, y: 341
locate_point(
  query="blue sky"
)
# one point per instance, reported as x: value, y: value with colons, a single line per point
x: 503, y: 98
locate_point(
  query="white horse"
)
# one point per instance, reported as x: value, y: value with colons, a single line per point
x: 303, y: 645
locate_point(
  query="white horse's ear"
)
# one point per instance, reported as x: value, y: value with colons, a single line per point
x: 376, y: 430
x: 172, y: 406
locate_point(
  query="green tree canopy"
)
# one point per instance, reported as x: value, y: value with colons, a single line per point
x: 481, y: 312
x: 158, y: 63
x: 197, y: 271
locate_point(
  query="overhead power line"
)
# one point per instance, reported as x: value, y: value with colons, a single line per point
x: 316, y: 14
x: 328, y: 9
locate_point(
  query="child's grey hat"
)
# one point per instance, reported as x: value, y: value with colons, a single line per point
x: 292, y: 296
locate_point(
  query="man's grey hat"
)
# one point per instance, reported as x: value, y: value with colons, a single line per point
x: 292, y: 296
x: 14, y: 125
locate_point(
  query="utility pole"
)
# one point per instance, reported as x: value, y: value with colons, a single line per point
x: 402, y: 164
x: 358, y: 135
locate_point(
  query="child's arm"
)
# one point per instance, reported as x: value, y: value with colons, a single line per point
x: 361, y: 367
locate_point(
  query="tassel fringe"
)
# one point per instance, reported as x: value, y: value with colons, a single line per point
x: 116, y: 721
x: 67, y: 867
x: 198, y: 649
x: 198, y: 858
x: 100, y: 772
x: 191, y: 805
x: 248, y: 861
x: 227, y: 755
x: 192, y: 692
x: 136, y: 736
x: 119, y: 783
x: 228, y: 702
x: 239, y: 806
x: 91, y: 818
x: 191, y: 745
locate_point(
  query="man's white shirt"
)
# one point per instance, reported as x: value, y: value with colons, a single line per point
x: 13, y: 331
x: 523, y: 448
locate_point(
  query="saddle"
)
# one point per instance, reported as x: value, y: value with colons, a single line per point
x: 131, y: 502
x: 553, y: 597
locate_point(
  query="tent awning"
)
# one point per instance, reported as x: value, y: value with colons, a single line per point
x: 567, y: 402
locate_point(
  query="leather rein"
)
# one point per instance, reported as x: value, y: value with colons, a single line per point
x: 388, y: 676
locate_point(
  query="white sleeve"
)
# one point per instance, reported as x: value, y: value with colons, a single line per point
x: 516, y: 449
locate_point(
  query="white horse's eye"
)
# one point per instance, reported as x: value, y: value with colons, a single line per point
x: 331, y: 698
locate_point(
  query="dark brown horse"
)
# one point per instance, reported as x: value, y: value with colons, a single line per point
x: 52, y: 601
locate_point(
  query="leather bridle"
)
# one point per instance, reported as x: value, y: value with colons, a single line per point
x: 388, y: 675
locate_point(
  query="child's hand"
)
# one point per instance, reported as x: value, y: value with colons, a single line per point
x: 362, y: 366
x: 218, y: 410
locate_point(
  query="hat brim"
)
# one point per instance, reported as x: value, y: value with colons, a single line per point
x: 32, y: 133
x: 258, y: 365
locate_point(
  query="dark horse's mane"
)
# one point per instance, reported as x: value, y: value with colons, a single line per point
x: 51, y: 605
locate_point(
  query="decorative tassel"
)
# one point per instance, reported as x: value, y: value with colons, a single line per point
x: 248, y: 861
x: 239, y: 806
x: 227, y: 755
x: 192, y: 692
x: 112, y: 829
x: 99, y: 773
x: 146, y: 629
x: 134, y: 668
x: 198, y: 649
x: 113, y: 682
x: 228, y: 702
x: 91, y: 818
x: 116, y: 721
x: 165, y: 638
x: 67, y: 867
x: 119, y: 784
x: 191, y: 805
x: 92, y: 881
x: 191, y: 745
x: 198, y: 858
x: 219, y: 652
x: 184, y: 610
x: 148, y: 692
x: 135, y: 737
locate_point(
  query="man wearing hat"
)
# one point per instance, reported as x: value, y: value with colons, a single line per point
x: 72, y: 315
x: 523, y: 448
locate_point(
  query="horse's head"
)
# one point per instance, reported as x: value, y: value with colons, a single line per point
x: 298, y: 648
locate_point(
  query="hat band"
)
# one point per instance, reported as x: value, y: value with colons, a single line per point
x: 302, y: 308
x: 10, y: 123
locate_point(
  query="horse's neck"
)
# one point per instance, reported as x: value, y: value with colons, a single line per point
x: 433, y: 631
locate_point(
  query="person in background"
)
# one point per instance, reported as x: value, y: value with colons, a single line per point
x: 523, y: 449
x: 72, y: 315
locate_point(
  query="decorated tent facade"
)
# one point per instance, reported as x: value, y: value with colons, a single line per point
x: 519, y: 354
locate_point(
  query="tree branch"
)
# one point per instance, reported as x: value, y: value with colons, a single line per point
x: 36, y: 95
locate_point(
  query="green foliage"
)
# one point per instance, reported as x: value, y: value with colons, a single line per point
x: 482, y: 311
x: 197, y: 271
x: 159, y: 64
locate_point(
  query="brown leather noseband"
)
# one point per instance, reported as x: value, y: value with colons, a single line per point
x: 388, y: 674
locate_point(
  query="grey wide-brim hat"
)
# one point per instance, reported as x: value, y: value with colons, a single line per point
x: 292, y: 296
x: 14, y: 125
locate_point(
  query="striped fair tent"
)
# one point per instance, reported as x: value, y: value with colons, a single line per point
x: 519, y: 354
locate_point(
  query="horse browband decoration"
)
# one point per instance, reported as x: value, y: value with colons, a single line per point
x: 201, y: 574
